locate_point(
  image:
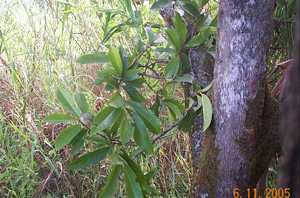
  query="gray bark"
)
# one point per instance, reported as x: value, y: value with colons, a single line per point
x: 244, y: 31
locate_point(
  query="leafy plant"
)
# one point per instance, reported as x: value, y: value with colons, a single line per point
x: 132, y: 121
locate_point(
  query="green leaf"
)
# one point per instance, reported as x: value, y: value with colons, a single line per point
x: 172, y: 68
x: 134, y: 94
x: 126, y: 131
x: 66, y: 136
x: 199, y: 103
x: 131, y: 75
x: 81, y: 102
x: 158, y: 4
x: 60, y: 118
x: 67, y: 101
x: 152, y: 122
x: 207, y: 112
x: 116, y: 100
x: 200, y: 38
x: 109, y: 120
x: 111, y: 185
x: 93, y: 58
x: 107, y: 74
x: 174, y: 38
x: 207, y: 88
x: 180, y: 27
x: 103, y: 114
x: 192, y: 9
x: 116, y: 60
x: 174, y: 108
x: 133, y: 188
x: 90, y: 158
x: 134, y: 166
x: 141, y: 135
x: 78, y: 142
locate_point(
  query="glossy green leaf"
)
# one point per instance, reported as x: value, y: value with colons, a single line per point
x: 126, y: 131
x: 134, y: 94
x: 174, y: 39
x: 111, y: 185
x: 66, y: 136
x: 207, y: 112
x: 94, y: 58
x: 180, y: 27
x: 109, y: 120
x: 172, y: 68
x: 116, y: 60
x: 192, y: 9
x: 116, y: 100
x: 150, y: 119
x: 82, y: 102
x: 103, y: 114
x: 131, y: 75
x: 141, y: 135
x: 133, y: 188
x: 89, y: 159
x: 60, y: 118
x: 67, y: 101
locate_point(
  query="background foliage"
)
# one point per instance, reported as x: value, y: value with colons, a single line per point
x: 112, y: 74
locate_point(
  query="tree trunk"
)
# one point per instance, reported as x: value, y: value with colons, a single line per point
x: 244, y: 33
x: 248, y: 140
x: 289, y: 176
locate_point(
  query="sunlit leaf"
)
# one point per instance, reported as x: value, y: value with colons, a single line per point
x: 172, y: 68
x: 82, y: 102
x: 207, y: 112
x: 200, y: 38
x: 95, y: 58
x: 67, y: 101
x: 116, y: 60
x: 66, y: 136
x: 109, y: 121
x: 180, y: 27
x: 60, y: 118
x: 174, y: 38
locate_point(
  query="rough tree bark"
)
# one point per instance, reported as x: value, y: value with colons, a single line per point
x: 244, y: 33
x: 289, y: 176
x: 246, y: 116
